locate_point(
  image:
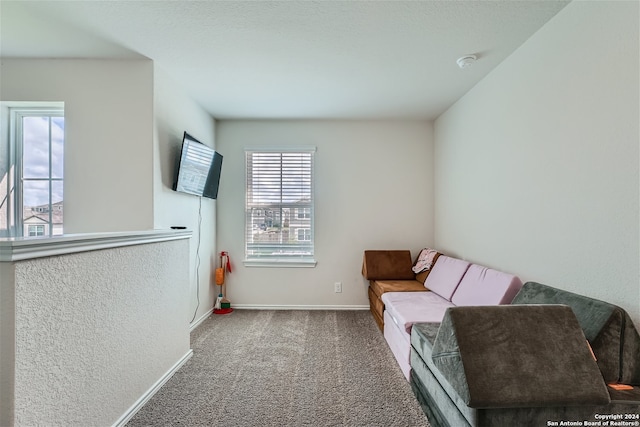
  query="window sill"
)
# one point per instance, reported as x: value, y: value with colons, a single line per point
x: 280, y: 263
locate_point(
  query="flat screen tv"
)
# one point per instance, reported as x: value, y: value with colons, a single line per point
x: 199, y: 168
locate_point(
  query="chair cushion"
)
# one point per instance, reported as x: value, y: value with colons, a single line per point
x: 484, y: 286
x: 510, y: 356
x: 445, y: 276
x: 609, y: 329
x: 407, y: 308
x: 379, y: 287
x: 387, y: 264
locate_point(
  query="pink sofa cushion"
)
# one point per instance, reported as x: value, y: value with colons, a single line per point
x: 484, y: 286
x: 399, y: 342
x: 445, y: 276
x: 407, y: 308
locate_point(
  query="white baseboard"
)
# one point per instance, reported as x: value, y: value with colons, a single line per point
x: 201, y: 319
x: 298, y: 307
x: 153, y: 390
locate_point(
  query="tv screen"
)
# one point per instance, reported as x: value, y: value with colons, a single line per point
x: 198, y: 169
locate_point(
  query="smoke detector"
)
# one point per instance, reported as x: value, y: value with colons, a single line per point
x: 466, y: 60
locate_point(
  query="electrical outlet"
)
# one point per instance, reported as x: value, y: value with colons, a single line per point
x: 337, y: 287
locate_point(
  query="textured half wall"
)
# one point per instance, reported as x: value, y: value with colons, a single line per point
x: 95, y: 331
x: 7, y: 342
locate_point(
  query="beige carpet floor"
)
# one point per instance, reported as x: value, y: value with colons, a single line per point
x: 286, y: 368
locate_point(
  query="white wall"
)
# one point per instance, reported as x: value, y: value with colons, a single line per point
x: 373, y: 191
x: 124, y: 125
x: 108, y: 137
x: 537, y: 167
x: 175, y: 113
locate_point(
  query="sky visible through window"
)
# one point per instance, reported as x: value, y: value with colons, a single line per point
x: 38, y: 168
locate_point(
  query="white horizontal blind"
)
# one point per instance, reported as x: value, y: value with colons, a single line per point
x: 279, y: 205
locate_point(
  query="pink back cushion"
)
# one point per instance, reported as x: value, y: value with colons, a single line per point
x: 445, y: 276
x: 484, y: 286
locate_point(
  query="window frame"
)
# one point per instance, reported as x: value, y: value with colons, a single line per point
x: 15, y: 151
x: 287, y: 209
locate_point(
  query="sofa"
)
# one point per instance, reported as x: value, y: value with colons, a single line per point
x: 549, y: 358
x: 391, y: 271
x: 405, y: 301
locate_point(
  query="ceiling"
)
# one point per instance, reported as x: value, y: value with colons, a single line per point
x: 289, y: 59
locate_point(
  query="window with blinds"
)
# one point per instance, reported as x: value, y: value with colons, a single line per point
x: 279, y: 207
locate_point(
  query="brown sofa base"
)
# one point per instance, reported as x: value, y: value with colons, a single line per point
x: 376, y: 306
x: 390, y: 271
